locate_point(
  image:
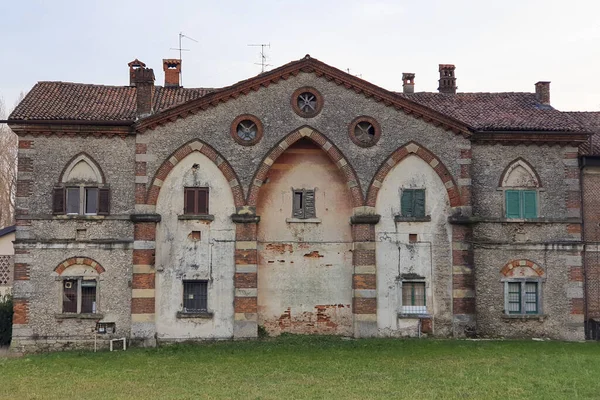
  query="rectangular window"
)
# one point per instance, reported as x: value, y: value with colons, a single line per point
x: 79, y: 296
x: 522, y: 297
x: 412, y: 203
x: 91, y: 201
x: 414, y: 298
x: 195, y: 296
x: 521, y: 204
x: 303, y: 206
x: 195, y: 201
x: 73, y: 200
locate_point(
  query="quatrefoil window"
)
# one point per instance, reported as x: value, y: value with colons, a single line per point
x: 307, y: 102
x: 246, y: 130
x: 364, y: 131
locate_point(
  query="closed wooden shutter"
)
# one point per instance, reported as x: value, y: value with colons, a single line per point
x: 298, y: 204
x: 202, y: 196
x: 513, y: 203
x: 419, y: 199
x: 309, y: 204
x: 407, y: 203
x: 104, y: 201
x: 529, y: 204
x: 189, y: 201
x: 58, y: 201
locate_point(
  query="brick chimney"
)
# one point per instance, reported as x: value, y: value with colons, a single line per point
x: 542, y: 92
x: 143, y: 80
x: 408, y: 82
x: 172, y: 68
x: 135, y: 64
x: 447, y: 80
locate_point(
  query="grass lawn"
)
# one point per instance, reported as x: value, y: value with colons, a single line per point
x: 293, y: 367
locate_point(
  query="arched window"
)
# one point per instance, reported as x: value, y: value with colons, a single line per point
x: 82, y: 189
x: 79, y: 278
x: 520, y: 184
x: 522, y: 288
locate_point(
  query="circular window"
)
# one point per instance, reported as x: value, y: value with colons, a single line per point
x: 364, y: 131
x: 307, y: 102
x: 246, y: 130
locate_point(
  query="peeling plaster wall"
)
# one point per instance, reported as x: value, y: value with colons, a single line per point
x: 430, y: 257
x: 179, y: 257
x: 305, y: 269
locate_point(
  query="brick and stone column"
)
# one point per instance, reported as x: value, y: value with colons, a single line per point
x: 364, y: 278
x: 246, y: 274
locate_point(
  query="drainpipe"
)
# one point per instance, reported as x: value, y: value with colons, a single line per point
x: 584, y: 242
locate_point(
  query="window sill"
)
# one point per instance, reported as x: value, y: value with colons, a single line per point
x: 524, y: 317
x: 201, y: 217
x: 78, y: 316
x: 414, y: 316
x: 201, y: 315
x: 89, y: 217
x: 400, y: 218
x: 303, y: 220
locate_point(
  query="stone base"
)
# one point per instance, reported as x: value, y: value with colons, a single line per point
x: 245, y: 327
x: 365, y: 325
x: 464, y: 326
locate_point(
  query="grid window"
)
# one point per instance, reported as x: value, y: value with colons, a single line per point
x: 196, y: 201
x: 81, y: 200
x: 523, y: 297
x: 195, y: 296
x: 414, y: 298
x: 79, y: 296
x: 412, y: 203
x: 303, y: 206
x: 73, y: 200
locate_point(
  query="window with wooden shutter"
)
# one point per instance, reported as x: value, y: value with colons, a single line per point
x: 412, y: 203
x: 58, y: 201
x: 103, y: 201
x: 513, y: 204
x: 529, y: 203
x: 303, y: 204
x: 521, y: 203
x: 196, y: 200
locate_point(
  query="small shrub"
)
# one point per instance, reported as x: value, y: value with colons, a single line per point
x: 262, y: 332
x: 6, y: 316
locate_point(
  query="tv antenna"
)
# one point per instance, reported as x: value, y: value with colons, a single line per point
x: 263, y: 56
x: 350, y: 73
x: 181, y: 36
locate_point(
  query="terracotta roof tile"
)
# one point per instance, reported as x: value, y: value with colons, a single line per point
x: 84, y: 102
x: 591, y: 123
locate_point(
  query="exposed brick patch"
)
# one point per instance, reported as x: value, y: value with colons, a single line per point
x: 506, y: 270
x: 60, y: 268
x: 25, y: 144
x: 362, y: 305
x: 463, y: 306
x: 364, y: 281
x: 576, y: 306
x: 245, y: 304
x: 144, y: 231
x: 143, y: 305
x: 245, y: 232
x: 24, y: 188
x: 20, y: 311
x: 143, y: 281
x: 363, y: 233
x: 246, y: 280
x: 143, y: 257
x: 243, y: 257
x: 21, y: 272
x: 363, y: 257
x: 574, y: 228
x: 576, y: 274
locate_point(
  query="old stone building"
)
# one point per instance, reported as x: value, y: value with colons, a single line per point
x: 302, y: 200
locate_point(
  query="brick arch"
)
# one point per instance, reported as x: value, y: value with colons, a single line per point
x: 326, y: 145
x: 506, y: 270
x: 174, y: 158
x: 413, y: 148
x: 60, y: 268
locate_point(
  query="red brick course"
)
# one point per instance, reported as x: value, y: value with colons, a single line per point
x: 364, y: 281
x: 144, y: 231
x: 244, y: 257
x: 361, y: 305
x: 245, y: 305
x: 143, y: 257
x: 463, y: 306
x: 143, y: 281
x: 20, y: 311
x: 144, y: 305
x: 246, y: 280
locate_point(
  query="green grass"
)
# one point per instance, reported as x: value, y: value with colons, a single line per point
x: 293, y: 367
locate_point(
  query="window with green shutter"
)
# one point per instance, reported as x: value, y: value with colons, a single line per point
x: 412, y: 203
x: 521, y: 203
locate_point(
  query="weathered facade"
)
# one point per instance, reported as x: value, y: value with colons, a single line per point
x: 303, y: 200
x: 7, y: 255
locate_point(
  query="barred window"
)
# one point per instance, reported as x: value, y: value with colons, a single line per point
x: 522, y: 297
x: 79, y: 296
x: 195, y: 296
x: 414, y: 298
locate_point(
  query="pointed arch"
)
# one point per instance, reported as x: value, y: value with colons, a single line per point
x: 326, y: 145
x: 510, y: 268
x: 174, y: 158
x: 61, y: 267
x: 514, y: 165
x: 413, y: 148
x: 89, y: 160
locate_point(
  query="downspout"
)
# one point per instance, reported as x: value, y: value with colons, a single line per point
x: 584, y: 243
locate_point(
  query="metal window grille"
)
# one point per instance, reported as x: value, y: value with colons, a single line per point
x: 70, y: 296
x: 79, y: 296
x: 523, y: 297
x: 414, y: 298
x: 88, y: 297
x: 6, y: 263
x: 514, y: 297
x: 195, y: 296
x: 531, y: 297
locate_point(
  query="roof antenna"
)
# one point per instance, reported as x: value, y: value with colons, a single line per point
x: 181, y: 36
x: 263, y: 56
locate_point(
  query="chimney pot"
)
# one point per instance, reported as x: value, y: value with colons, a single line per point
x: 172, y: 68
x: 143, y: 79
x: 542, y: 92
x: 408, y: 82
x: 447, y: 81
x: 133, y: 66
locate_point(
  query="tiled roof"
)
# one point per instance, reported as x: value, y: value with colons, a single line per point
x: 498, y: 111
x: 84, y: 102
x: 591, y: 122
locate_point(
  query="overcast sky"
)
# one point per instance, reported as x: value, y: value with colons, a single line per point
x: 501, y: 45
